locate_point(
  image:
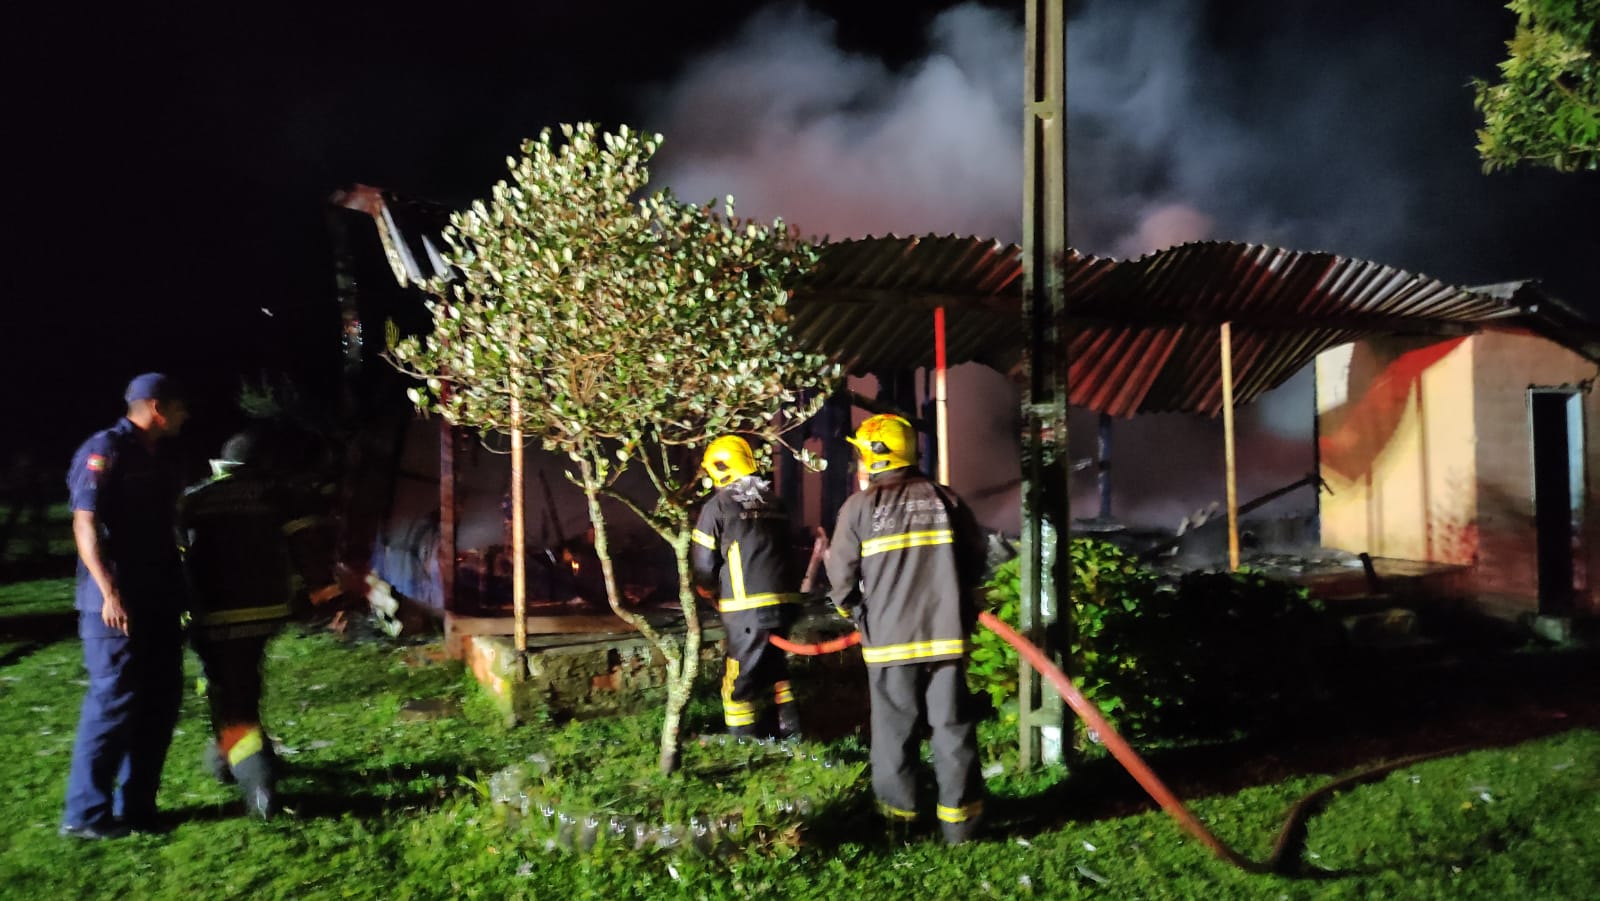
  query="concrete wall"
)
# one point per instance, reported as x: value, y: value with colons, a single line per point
x: 1395, y: 433
x: 1427, y: 449
x: 1508, y: 367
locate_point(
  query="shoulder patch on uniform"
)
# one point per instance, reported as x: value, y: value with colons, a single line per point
x: 96, y: 462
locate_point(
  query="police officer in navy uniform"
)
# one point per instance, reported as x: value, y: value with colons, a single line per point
x: 741, y: 547
x: 905, y: 563
x: 124, y: 484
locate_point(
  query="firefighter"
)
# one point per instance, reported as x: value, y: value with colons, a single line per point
x: 905, y: 561
x: 741, y: 549
x: 240, y: 533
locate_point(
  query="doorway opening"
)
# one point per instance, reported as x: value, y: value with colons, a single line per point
x: 1558, y: 496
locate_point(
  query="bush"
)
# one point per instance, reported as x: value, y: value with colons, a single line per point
x: 1207, y: 654
x: 1254, y: 648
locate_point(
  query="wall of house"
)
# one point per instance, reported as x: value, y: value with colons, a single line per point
x: 1395, y: 437
x: 1507, y: 366
x: 1427, y: 447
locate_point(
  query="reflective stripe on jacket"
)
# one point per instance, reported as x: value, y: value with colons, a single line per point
x: 904, y: 562
x: 236, y: 554
x: 741, y: 545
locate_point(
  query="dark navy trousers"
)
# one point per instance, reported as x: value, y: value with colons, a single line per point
x: 129, y: 712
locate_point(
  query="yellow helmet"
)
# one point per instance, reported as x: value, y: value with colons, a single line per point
x: 886, y: 442
x: 727, y: 459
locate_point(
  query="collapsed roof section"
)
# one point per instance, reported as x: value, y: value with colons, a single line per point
x: 1145, y: 332
x: 408, y: 228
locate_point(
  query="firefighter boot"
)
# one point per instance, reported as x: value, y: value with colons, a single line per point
x: 789, y: 721
x: 899, y: 831
x: 901, y: 825
x: 959, y: 833
x: 788, y: 713
x: 257, y: 781
x: 211, y: 759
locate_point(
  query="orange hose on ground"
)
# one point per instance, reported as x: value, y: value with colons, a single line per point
x: 1288, y: 836
x: 1113, y: 741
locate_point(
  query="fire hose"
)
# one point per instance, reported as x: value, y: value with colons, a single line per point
x: 1289, y: 836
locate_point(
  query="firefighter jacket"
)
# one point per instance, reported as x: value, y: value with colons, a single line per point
x: 905, y: 562
x: 237, y: 530
x: 741, y: 545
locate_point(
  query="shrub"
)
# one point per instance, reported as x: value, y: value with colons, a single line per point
x: 1207, y: 654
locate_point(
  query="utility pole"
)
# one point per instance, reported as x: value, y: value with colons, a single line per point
x: 1046, y: 508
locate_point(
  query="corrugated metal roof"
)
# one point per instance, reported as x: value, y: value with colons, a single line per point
x: 1146, y: 332
x: 869, y: 303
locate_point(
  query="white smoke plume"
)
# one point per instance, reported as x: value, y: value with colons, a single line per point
x: 1169, y: 139
x: 1289, y: 140
x: 841, y: 145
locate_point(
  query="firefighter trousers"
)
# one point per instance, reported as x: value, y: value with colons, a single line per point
x: 755, y: 669
x: 904, y: 697
x: 232, y: 662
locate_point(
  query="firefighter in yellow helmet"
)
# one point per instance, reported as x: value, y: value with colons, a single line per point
x: 741, y: 549
x: 905, y: 562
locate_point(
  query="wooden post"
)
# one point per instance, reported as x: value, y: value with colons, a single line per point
x: 447, y: 516
x: 518, y: 549
x: 940, y: 398
x: 1229, y: 460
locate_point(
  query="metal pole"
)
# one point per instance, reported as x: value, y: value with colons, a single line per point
x: 1229, y: 461
x: 1046, y: 609
x: 1103, y: 466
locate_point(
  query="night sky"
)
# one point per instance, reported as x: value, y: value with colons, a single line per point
x: 169, y: 170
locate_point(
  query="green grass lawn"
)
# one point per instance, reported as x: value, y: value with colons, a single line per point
x: 385, y: 805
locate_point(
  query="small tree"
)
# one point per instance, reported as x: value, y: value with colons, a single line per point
x: 1546, y: 109
x: 617, y: 328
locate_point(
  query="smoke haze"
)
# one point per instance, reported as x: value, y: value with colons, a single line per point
x: 1291, y: 125
x: 841, y: 145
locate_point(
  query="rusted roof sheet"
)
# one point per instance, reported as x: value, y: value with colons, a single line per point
x: 1145, y: 332
x: 1147, y: 335
x: 869, y: 303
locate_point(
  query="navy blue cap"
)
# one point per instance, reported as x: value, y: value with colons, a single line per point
x: 152, y: 386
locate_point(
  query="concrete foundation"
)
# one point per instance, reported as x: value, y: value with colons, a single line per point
x: 575, y: 675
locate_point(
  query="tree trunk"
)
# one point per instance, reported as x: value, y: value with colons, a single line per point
x: 671, y: 723
x: 680, y: 677
x: 677, y: 694
x: 602, y: 550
